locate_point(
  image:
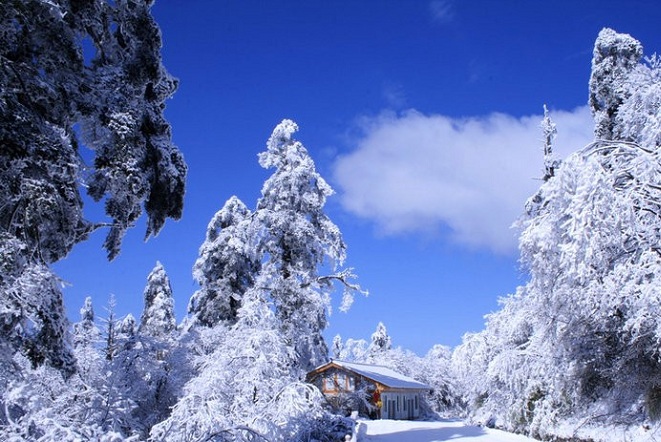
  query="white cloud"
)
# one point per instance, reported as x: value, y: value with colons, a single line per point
x: 418, y: 173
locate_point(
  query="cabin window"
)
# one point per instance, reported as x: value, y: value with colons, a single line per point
x: 329, y: 383
x: 404, y: 404
x: 351, y: 383
x: 341, y: 381
x: 416, y: 402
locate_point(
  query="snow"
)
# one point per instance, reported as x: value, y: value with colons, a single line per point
x: 423, y: 431
x: 383, y: 375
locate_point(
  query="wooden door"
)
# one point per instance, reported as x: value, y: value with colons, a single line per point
x: 391, y: 409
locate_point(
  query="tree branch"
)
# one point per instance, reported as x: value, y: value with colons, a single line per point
x: 233, y: 430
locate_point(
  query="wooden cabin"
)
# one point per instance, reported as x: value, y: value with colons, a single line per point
x: 391, y: 395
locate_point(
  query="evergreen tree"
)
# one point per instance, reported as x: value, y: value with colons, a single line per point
x: 614, y: 57
x: 336, y: 350
x: 158, y: 318
x: 86, y: 339
x: 32, y: 317
x: 296, y: 239
x: 116, y: 94
x: 284, y: 243
x: 240, y: 371
x: 381, y: 341
x: 550, y: 132
x: 84, y: 331
x: 150, y: 361
x: 226, y: 265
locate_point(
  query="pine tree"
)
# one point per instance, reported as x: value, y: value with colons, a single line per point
x: 381, y: 342
x: 614, y: 57
x: 550, y: 132
x: 240, y: 373
x: 296, y: 239
x: 150, y: 360
x: 116, y: 95
x: 86, y: 338
x: 32, y: 314
x: 336, y: 350
x: 226, y: 265
x: 158, y: 318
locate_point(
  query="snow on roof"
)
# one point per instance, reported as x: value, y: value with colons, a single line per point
x: 383, y: 375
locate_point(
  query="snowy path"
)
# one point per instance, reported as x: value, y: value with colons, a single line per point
x: 446, y: 430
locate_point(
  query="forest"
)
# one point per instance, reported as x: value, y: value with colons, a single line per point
x: 574, y: 354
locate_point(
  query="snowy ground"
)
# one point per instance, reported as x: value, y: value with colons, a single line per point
x: 446, y: 430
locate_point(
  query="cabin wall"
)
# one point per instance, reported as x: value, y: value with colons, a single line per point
x: 335, y: 381
x: 400, y: 405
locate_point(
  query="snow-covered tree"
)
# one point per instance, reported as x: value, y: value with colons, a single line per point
x: 297, y: 238
x: 354, y: 350
x: 226, y: 265
x: 580, y: 339
x: 256, y: 321
x: 469, y: 363
x: 550, y: 132
x: 150, y: 359
x: 101, y: 401
x: 638, y: 119
x: 381, y: 341
x: 41, y: 405
x: 85, y: 331
x: 247, y: 387
x: 115, y: 93
x: 158, y: 318
x: 435, y: 370
x: 337, y: 346
x: 32, y: 314
x: 615, y: 55
x: 86, y: 338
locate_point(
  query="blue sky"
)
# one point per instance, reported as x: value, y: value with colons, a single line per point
x: 423, y: 115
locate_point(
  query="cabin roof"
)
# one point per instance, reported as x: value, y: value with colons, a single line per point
x: 383, y: 375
